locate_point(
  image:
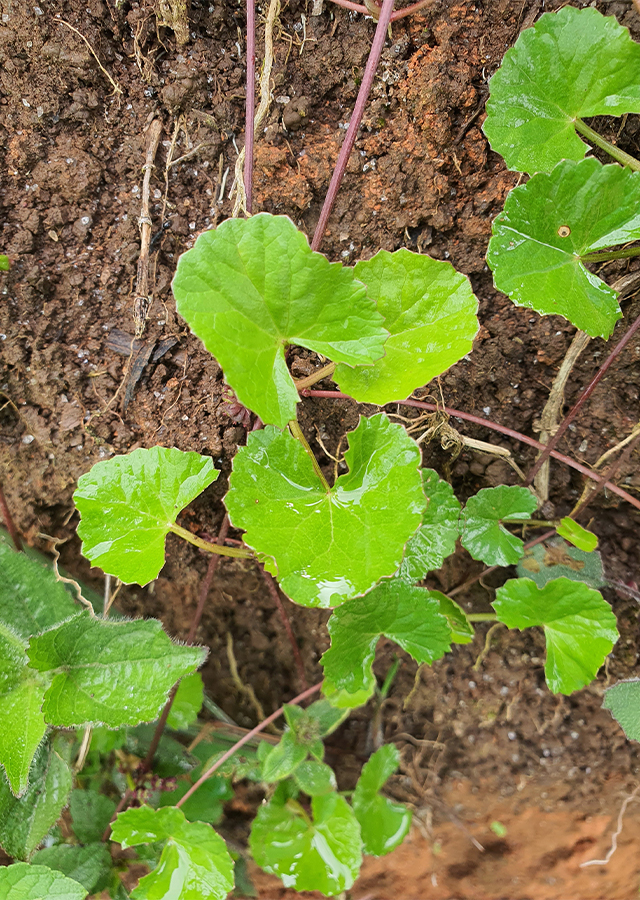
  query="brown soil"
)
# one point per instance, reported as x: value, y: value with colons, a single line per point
x: 553, y: 771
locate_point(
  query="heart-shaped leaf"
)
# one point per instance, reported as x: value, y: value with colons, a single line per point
x: 483, y: 535
x: 573, y: 63
x: 430, y: 312
x: 128, y: 504
x: 579, y: 626
x: 384, y: 824
x: 542, y: 239
x: 436, y: 538
x: 24, y: 882
x: 408, y: 615
x: 328, y: 546
x: 253, y: 286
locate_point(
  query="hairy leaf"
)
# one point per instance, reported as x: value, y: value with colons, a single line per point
x: 24, y: 882
x: 430, y: 312
x: 284, y: 758
x: 408, y: 615
x: 328, y: 546
x: 128, y: 504
x: 315, y: 778
x: 253, y: 286
x: 436, y: 538
x: 542, y: 238
x: 88, y: 865
x: 90, y: 814
x: 579, y: 626
x: 573, y: 63
x: 623, y: 702
x: 483, y: 535
x: 384, y: 824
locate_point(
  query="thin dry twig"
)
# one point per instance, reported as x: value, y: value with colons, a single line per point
x: 143, y: 299
x: 114, y: 84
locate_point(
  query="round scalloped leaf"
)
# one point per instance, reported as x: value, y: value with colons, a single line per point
x: 572, y: 63
x: 546, y: 231
x: 328, y: 546
x: 579, y: 626
x: 319, y: 854
x: 483, y: 535
x: 253, y: 286
x: 436, y: 538
x: 24, y: 882
x: 128, y: 504
x: 408, y: 615
x: 430, y: 312
x: 623, y: 702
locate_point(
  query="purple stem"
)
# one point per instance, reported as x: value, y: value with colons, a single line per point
x: 275, y: 596
x: 250, y: 105
x: 459, y: 414
x: 356, y: 118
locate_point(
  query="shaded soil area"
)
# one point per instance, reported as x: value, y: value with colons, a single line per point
x: 76, y: 386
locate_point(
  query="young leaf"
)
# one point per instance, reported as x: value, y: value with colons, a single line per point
x: 430, y: 312
x: 31, y: 600
x: 436, y: 538
x: 384, y: 824
x: 577, y: 535
x: 24, y: 882
x: 323, y: 854
x: 623, y: 702
x: 206, y: 804
x: 483, y: 535
x: 328, y: 546
x: 546, y: 231
x: 26, y: 821
x: 4, y: 263
x: 318, y: 720
x: 461, y: 629
x: 90, y: 814
x: 315, y: 778
x: 284, y: 758
x: 88, y: 865
x: 23, y: 725
x: 128, y: 505
x: 408, y: 615
x: 557, y: 559
x: 253, y: 286
x: 109, y: 672
x: 573, y: 63
x: 579, y: 627
x: 195, y: 863
x: 187, y: 702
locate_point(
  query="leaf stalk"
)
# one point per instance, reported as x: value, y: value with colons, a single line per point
x: 237, y: 552
x: 606, y: 255
x: 296, y: 431
x: 597, y: 139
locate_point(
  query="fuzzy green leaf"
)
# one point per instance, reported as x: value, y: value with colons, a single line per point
x: 88, y: 865
x: 195, y: 863
x: 109, y: 672
x: 384, y: 824
x: 326, y: 547
x: 430, y: 312
x: 90, y: 814
x: 483, y: 535
x: 187, y: 702
x: 128, y: 504
x: 284, y: 758
x: 24, y: 882
x: 557, y: 559
x: 579, y: 627
x: 546, y: 231
x: 436, y: 538
x: 253, y: 286
x: 573, y: 63
x: 408, y: 615
x: 315, y: 778
x: 623, y: 702
x: 24, y: 822
x: 323, y: 854
x: 577, y: 535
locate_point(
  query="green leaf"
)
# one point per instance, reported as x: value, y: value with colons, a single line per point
x: 128, y: 504
x: 315, y: 778
x: 206, y: 804
x: 623, y: 702
x: 461, y: 629
x: 384, y: 824
x: 546, y: 230
x: 406, y: 614
x: 579, y: 627
x: 483, y: 535
x: 436, y: 538
x: 253, y: 286
x: 430, y: 312
x: 24, y: 882
x: 88, y: 865
x: 195, y: 863
x: 23, y: 725
x: 318, y: 720
x: 328, y: 546
x: 556, y: 559
x: 187, y: 702
x: 319, y: 854
x: 109, y: 672
x: 31, y: 600
x: 171, y: 757
x: 4, y: 263
x: 24, y: 822
x: 577, y: 535
x: 571, y: 64
x: 90, y: 814
x: 284, y: 758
